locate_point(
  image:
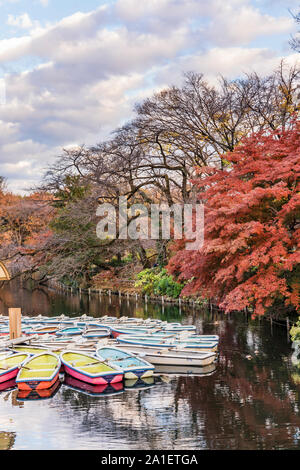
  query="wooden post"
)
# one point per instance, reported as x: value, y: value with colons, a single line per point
x: 15, y: 329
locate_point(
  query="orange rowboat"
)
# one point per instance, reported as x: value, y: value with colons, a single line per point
x: 39, y: 372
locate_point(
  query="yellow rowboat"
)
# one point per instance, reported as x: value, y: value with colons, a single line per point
x: 88, y: 368
x: 32, y: 350
x: 39, y: 372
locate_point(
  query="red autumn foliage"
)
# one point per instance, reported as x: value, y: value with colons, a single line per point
x: 250, y: 257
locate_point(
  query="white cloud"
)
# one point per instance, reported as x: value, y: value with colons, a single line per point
x: 232, y: 25
x: 95, y: 65
x: 22, y: 21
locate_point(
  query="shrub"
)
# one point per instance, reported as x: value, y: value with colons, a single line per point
x: 159, y: 282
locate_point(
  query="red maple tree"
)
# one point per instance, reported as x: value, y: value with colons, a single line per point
x: 250, y: 257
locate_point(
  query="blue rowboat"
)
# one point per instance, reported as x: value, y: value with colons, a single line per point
x: 96, y: 333
x: 25, y: 330
x: 133, y: 367
x: 72, y: 331
x: 127, y: 330
x: 90, y: 324
x: 170, y: 343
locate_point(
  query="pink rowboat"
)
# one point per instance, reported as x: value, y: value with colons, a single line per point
x: 88, y: 368
x: 10, y: 366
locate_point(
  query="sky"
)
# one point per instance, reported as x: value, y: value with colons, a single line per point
x: 72, y: 70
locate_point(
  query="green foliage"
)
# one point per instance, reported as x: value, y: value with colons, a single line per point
x: 72, y: 191
x: 159, y: 282
x: 295, y: 331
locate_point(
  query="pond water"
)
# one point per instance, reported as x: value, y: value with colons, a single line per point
x: 249, y: 400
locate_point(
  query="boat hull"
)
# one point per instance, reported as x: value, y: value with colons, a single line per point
x: 37, y: 385
x: 138, y: 374
x: 103, y: 380
x: 39, y: 394
x: 9, y: 375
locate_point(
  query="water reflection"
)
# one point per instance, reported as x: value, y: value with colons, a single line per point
x: 248, y: 400
x: 7, y: 440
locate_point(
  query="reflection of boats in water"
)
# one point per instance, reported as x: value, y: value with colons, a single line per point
x: 42, y: 394
x: 186, y: 370
x: 8, y: 385
x: 295, y: 357
x: 93, y: 390
x: 139, y: 384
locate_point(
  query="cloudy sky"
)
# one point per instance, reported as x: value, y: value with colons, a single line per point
x: 71, y: 70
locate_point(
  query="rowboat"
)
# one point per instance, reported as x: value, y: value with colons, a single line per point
x: 39, y: 372
x: 93, y: 390
x: 132, y: 330
x: 33, y: 320
x: 4, y: 331
x: 44, y: 330
x: 162, y: 333
x: 168, y: 343
x: 186, y: 370
x: 42, y: 394
x: 96, y: 333
x: 10, y: 366
x: 182, y: 336
x: 88, y: 368
x: 171, y: 357
x: 32, y: 350
x: 133, y: 367
x: 71, y: 331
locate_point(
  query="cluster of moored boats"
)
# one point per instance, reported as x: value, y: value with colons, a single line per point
x: 97, y: 352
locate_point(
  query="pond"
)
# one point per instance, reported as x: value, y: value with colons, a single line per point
x: 248, y: 401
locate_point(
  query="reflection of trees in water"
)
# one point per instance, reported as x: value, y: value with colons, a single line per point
x: 7, y: 440
x: 41, y: 300
x: 248, y: 403
x: 12, y: 396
